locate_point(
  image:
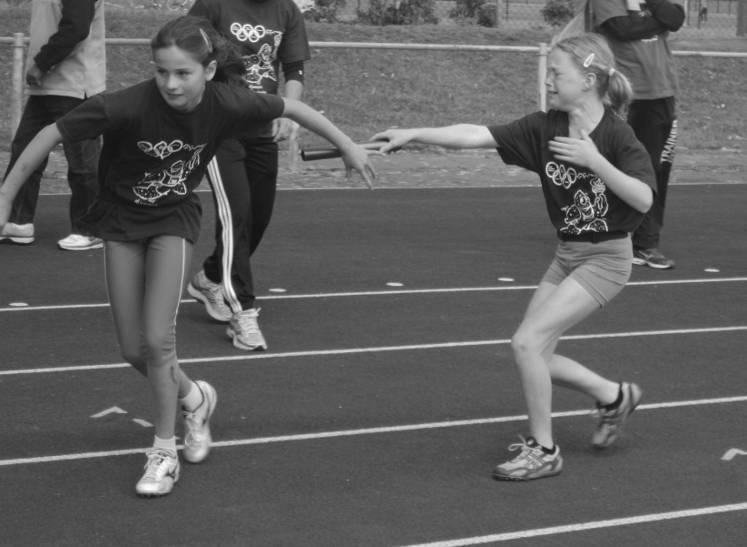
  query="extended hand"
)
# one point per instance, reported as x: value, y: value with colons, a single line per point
x: 356, y: 158
x: 392, y: 139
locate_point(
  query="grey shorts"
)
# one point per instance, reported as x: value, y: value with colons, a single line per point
x: 601, y: 268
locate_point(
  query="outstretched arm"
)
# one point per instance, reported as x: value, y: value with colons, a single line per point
x: 583, y: 152
x: 354, y: 156
x: 453, y: 136
x: 32, y: 156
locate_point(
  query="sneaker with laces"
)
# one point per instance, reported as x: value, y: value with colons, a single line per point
x: 531, y: 463
x: 244, y: 330
x: 161, y: 473
x: 78, y: 242
x: 653, y: 258
x: 20, y: 234
x: 610, y: 422
x: 211, y: 295
x: 197, y: 436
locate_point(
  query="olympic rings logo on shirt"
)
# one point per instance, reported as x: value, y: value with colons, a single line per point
x: 162, y: 149
x: 560, y: 175
x: 248, y: 32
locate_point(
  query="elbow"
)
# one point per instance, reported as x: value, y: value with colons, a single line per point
x: 647, y: 202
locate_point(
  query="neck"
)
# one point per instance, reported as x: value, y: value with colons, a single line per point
x: 585, y: 118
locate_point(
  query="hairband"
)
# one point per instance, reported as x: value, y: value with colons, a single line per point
x: 611, y: 72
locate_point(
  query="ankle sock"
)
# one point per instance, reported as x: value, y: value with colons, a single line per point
x: 193, y: 399
x: 165, y: 444
x: 616, y: 403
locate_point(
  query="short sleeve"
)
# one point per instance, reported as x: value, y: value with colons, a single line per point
x: 86, y: 121
x: 520, y: 142
x: 602, y: 10
x: 295, y: 44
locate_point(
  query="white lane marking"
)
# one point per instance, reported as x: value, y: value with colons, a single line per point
x: 733, y: 453
x: 112, y: 410
x: 585, y: 526
x: 370, y: 431
x: 400, y: 292
x: 373, y: 349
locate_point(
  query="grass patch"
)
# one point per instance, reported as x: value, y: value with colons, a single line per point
x: 366, y: 90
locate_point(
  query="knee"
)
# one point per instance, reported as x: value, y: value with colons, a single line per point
x: 524, y: 343
x: 134, y: 356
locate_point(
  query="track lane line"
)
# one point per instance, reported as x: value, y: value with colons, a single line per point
x: 455, y: 290
x: 299, y: 437
x: 591, y: 525
x: 372, y: 349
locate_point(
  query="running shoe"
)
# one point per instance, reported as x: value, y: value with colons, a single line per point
x: 611, y: 421
x: 197, y: 436
x: 78, y: 242
x: 244, y: 330
x: 653, y: 258
x: 20, y: 234
x: 161, y: 473
x: 531, y: 463
x: 211, y: 295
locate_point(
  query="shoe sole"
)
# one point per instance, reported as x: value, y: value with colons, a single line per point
x: 509, y: 478
x: 238, y: 345
x: 642, y: 262
x: 86, y: 248
x: 212, y: 402
x: 197, y: 295
x: 17, y: 240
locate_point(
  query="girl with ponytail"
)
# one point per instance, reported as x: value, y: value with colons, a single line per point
x: 597, y: 181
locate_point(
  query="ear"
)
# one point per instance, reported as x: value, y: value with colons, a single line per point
x: 210, y: 69
x: 590, y: 80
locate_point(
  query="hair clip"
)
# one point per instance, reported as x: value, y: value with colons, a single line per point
x: 589, y: 60
x: 207, y: 40
x: 611, y: 72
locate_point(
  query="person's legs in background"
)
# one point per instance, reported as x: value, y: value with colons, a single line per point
x: 655, y: 126
x: 20, y: 226
x: 82, y: 160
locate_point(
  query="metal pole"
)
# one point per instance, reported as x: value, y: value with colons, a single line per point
x: 16, y: 99
x: 541, y: 71
x: 742, y: 18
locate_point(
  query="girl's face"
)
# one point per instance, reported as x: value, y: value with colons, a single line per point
x: 180, y: 78
x: 566, y: 83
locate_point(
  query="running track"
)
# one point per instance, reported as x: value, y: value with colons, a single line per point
x: 377, y: 414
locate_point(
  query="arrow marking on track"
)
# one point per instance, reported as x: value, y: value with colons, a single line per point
x: 144, y: 423
x: 112, y: 410
x: 732, y: 453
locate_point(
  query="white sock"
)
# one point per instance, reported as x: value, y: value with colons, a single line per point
x: 165, y: 444
x: 193, y: 399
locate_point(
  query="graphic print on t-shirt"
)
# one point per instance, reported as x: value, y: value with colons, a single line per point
x: 260, y: 65
x: 587, y: 212
x: 171, y: 180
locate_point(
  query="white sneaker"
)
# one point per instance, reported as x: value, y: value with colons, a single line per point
x: 211, y: 294
x: 20, y: 234
x: 244, y: 330
x: 197, y: 438
x: 78, y: 242
x: 161, y: 473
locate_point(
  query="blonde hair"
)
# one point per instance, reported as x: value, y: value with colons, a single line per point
x: 591, y: 53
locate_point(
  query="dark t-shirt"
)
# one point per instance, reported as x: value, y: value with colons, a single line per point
x: 153, y: 157
x: 267, y: 33
x: 577, y: 200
